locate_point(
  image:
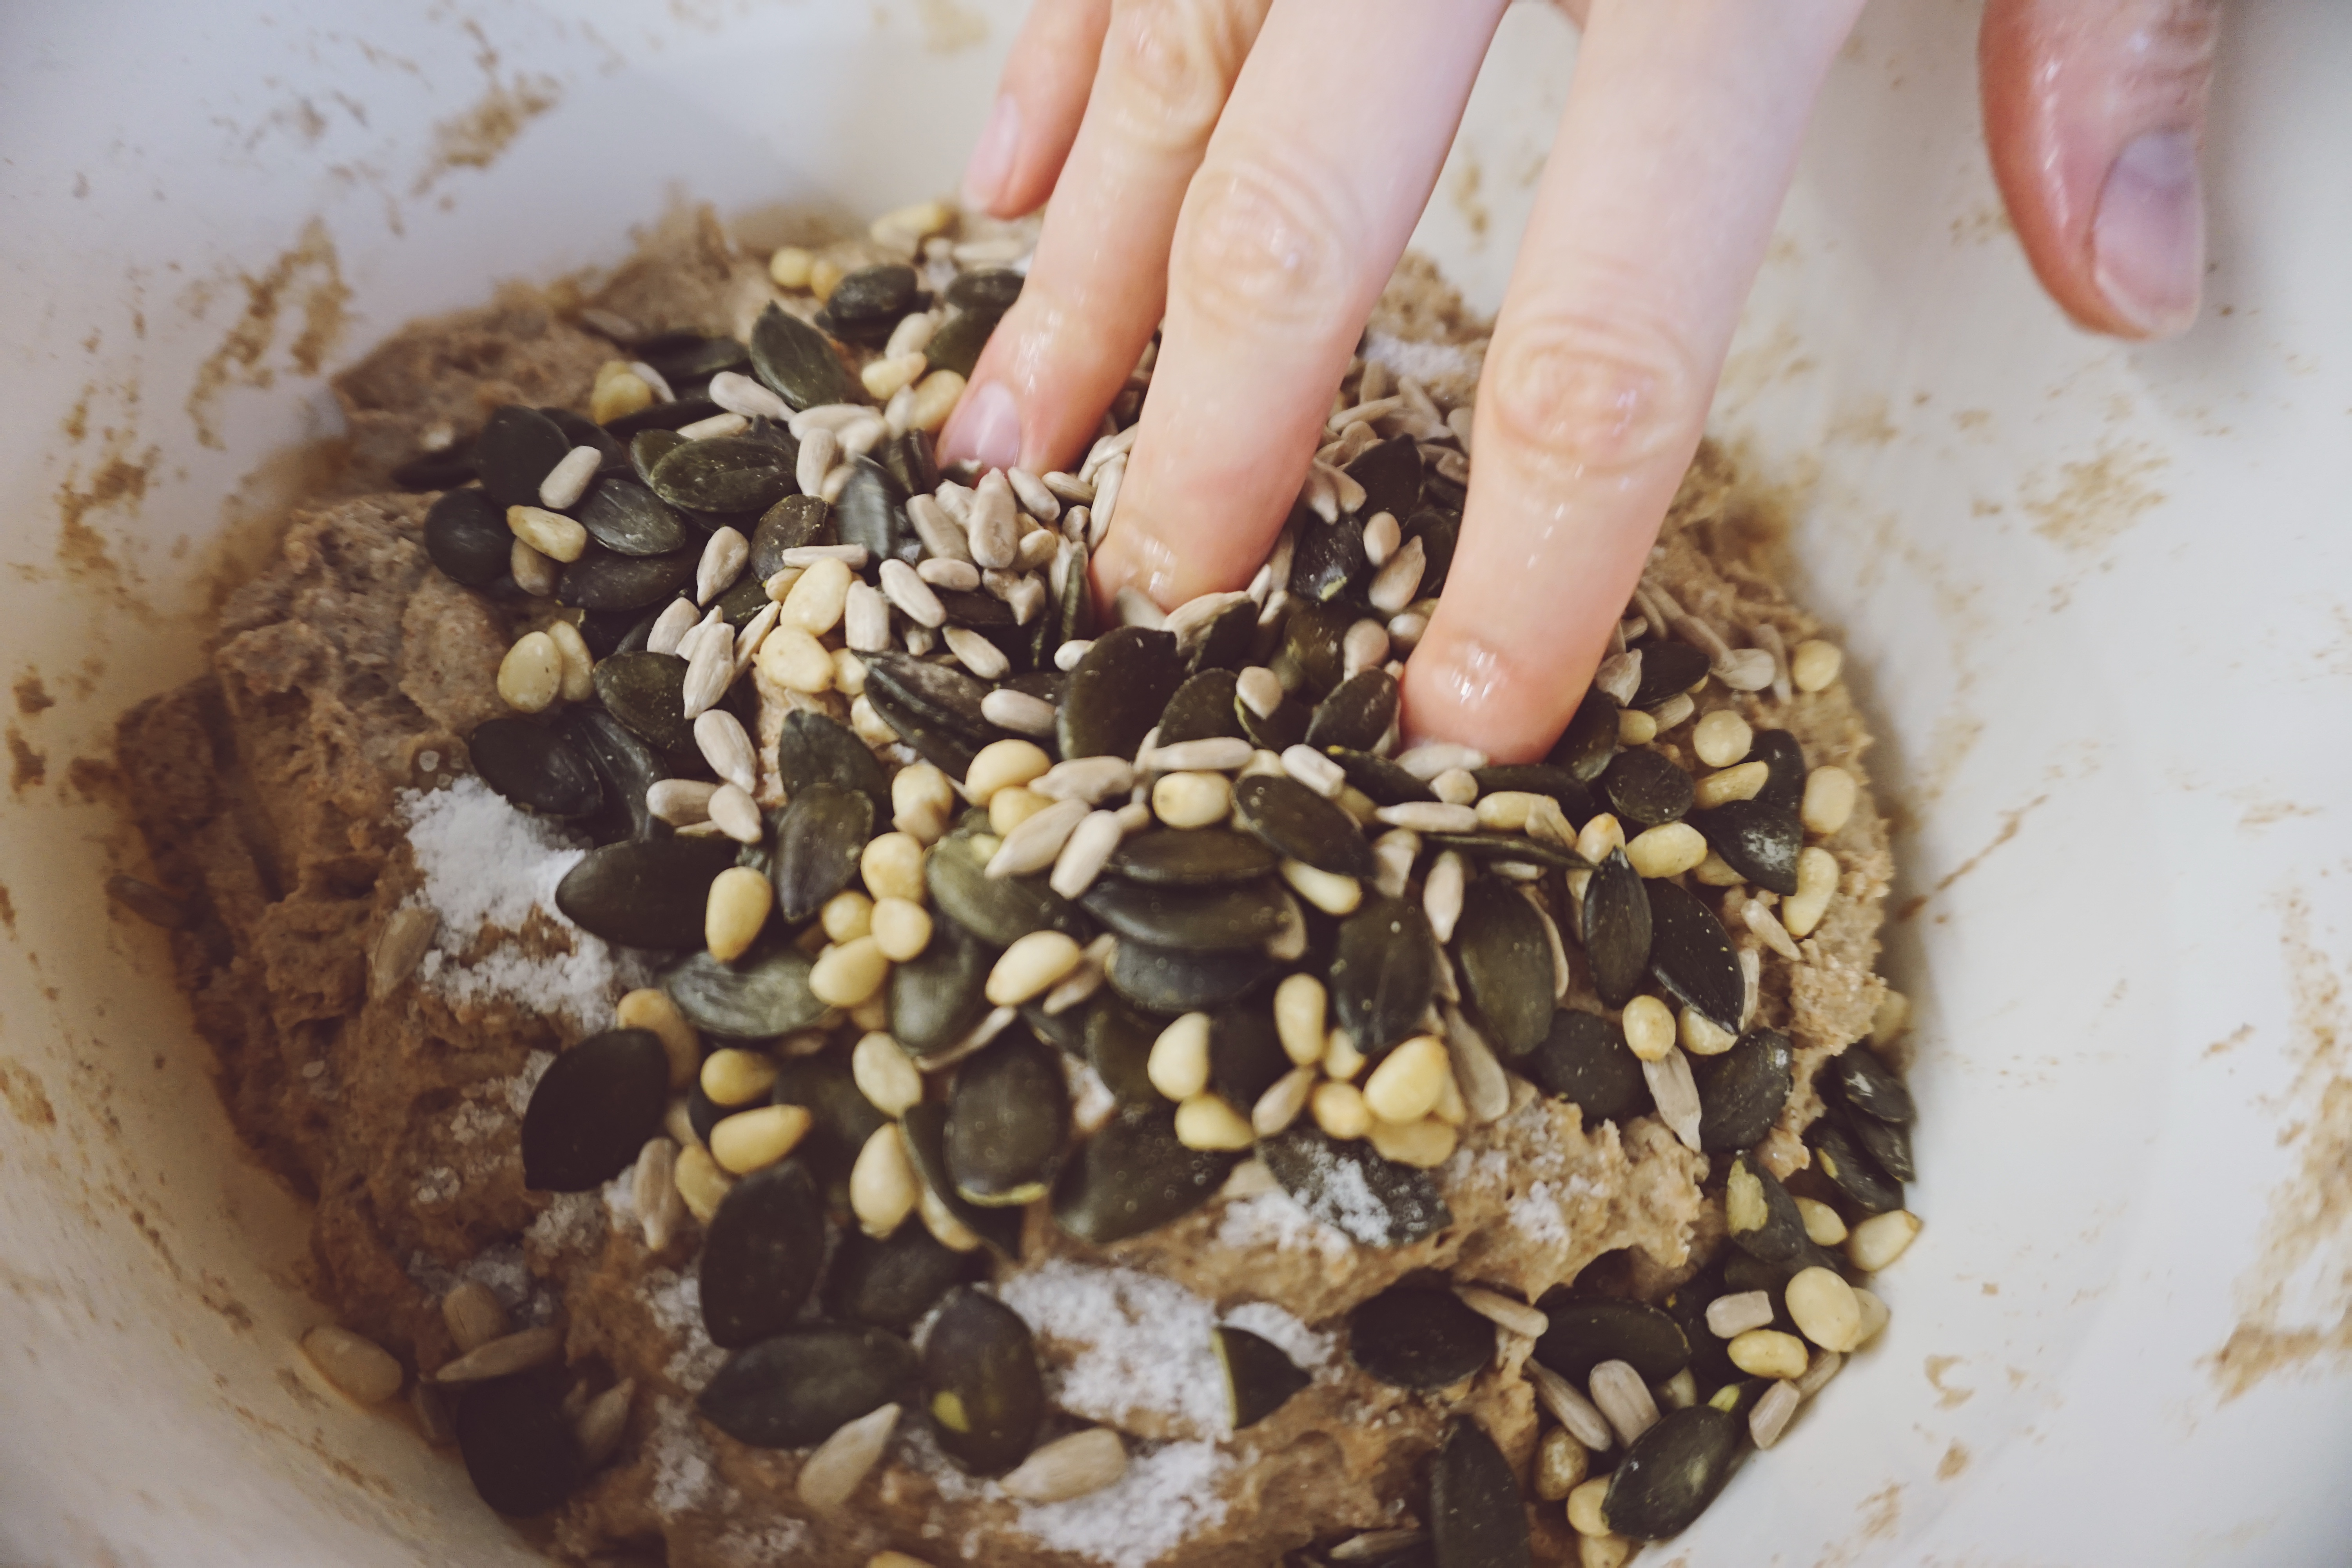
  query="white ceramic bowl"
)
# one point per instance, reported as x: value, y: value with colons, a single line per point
x: 2099, y: 599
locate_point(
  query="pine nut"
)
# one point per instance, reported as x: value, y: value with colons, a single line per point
x: 1742, y: 782
x: 891, y: 866
x: 737, y: 907
x: 578, y: 664
x: 1649, y: 1028
x: 1814, y: 664
x: 1822, y: 1305
x: 1768, y: 1352
x: 1454, y: 786
x: 1068, y: 1466
x: 1192, y: 799
x: 1830, y: 793
x: 1299, y: 1003
x: 534, y: 573
x: 1879, y: 1240
x: 531, y: 675
x: 474, y: 1315
x: 1029, y: 967
x: 1584, y: 1507
x: 789, y: 267
x: 921, y: 800
x: 551, y: 533
x: 846, y: 916
x: 700, y: 1183
x: 1823, y: 1226
x: 1666, y: 850
x: 619, y: 391
x: 936, y: 397
x: 356, y: 1365
x: 1817, y: 881
x: 653, y: 1190
x: 1700, y: 1038
x: 1715, y: 871
x: 1424, y: 1145
x: 883, y: 377
x: 732, y: 1076
x: 1340, y: 1109
x: 899, y: 1559
x: 901, y: 929
x: 1873, y: 1318
x: 1728, y: 1317
x: 1600, y: 837
x: 816, y: 601
x: 1327, y: 891
x: 1635, y: 727
x: 1602, y: 1551
x: 1001, y: 764
x: 753, y: 1139
x: 1722, y: 738
x: 1409, y: 1081
x: 1510, y: 810
x: 1178, y: 1066
x: 1515, y: 1316
x: 848, y: 973
x: 505, y: 1356
x: 1206, y: 1121
x: 653, y: 1010
x: 883, y: 1190
x: 884, y: 1074
x: 1561, y: 1463
x: 835, y: 1467
x: 1428, y: 816
x: 797, y: 661
x: 1341, y: 1060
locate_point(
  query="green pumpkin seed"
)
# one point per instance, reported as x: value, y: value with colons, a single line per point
x: 1277, y: 732
x: 1227, y: 643
x: 447, y: 470
x: 533, y: 765
x: 923, y: 1129
x: 989, y: 288
x: 648, y: 892
x: 1866, y: 1085
x: 582, y: 431
x: 1710, y: 1363
x: 800, y: 1386
x: 1584, y: 1059
x: 1886, y: 1144
x: 601, y: 580
x: 1584, y: 749
x: 465, y: 535
x: 1837, y: 1156
x: 1672, y: 1471
x: 1617, y: 931
x: 1118, y: 1040
x: 520, y: 1447
x: 1299, y: 824
x: 1584, y: 1333
x: 1328, y: 563
x: 893, y: 1282
x: 1385, y: 781
x: 1439, y: 528
x: 1390, y: 472
x: 1353, y: 1190
x: 871, y: 299
x: 958, y: 343
x: 740, y: 605
x: 1356, y: 714
x: 1692, y: 957
x: 1066, y: 1030
x: 1758, y: 840
x: 937, y: 996
x: 933, y: 708
x: 1476, y: 1516
x: 872, y: 511
x: 1784, y: 768
x: 761, y: 1255
x: 647, y: 447
x: 1133, y: 1176
x: 1644, y: 787
x: 813, y: 750
x: 628, y: 519
x: 1745, y: 1090
x: 1008, y: 1119
x: 518, y: 447
x: 1192, y: 857
x: 1259, y: 1379
x: 1507, y: 966
x: 1484, y: 847
x: 593, y: 1109
x: 1170, y: 980
x: 1762, y: 1219
x: 999, y: 910
x: 1118, y: 691
x: 723, y: 473
x: 647, y: 691
x: 819, y: 838
x: 841, y: 1119
x: 1576, y: 802
x: 1233, y: 916
x: 1383, y: 973
x: 762, y: 996
x: 912, y: 463
x: 800, y: 363
x: 983, y: 1387
x: 1246, y: 1054
x: 1202, y: 709
x: 626, y: 766
x: 1419, y: 1337
x: 791, y: 523
x: 1668, y: 669
x: 689, y: 355
x: 1313, y: 657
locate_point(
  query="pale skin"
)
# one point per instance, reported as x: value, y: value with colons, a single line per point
x: 1248, y: 172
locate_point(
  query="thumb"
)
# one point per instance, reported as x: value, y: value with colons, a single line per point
x: 2093, y: 112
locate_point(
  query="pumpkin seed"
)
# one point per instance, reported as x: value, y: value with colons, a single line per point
x: 1192, y: 857
x: 1506, y: 965
x: 625, y: 768
x: 1117, y: 1046
x: 1476, y: 1516
x: 1390, y: 475
x: 761, y: 1255
x: 841, y: 1118
x: 1133, y: 1176
x: 1575, y: 799
x: 466, y: 536
x: 1356, y: 714
x: 1224, y: 917
x: 1618, y: 930
x: 1299, y: 824
x: 1383, y: 973
x: 762, y: 996
x: 518, y: 1445
x: 1585, y: 748
x: 799, y: 363
x: 1329, y: 563
x: 1202, y: 709
x: 867, y: 303
x: 1886, y: 1144
x: 1170, y: 979
x: 1584, y: 1333
x: 934, y: 709
x: 1672, y: 1471
x: 1584, y: 1059
x: 891, y: 1283
x: 626, y: 518
x: 1644, y: 787
x: 1353, y: 1190
x: 983, y: 1386
x: 1227, y: 642
x: 1409, y: 1337
x: 601, y: 580
x: 1784, y: 762
x: 796, y: 1389
x: 988, y: 289
x: 1008, y: 1117
x: 1277, y: 732
x: 1384, y: 781
x: 924, y: 1129
x: 938, y: 995
x: 814, y: 749
x: 999, y: 910
x: 593, y: 1109
x: 722, y: 473
x: 1837, y: 1156
x: 1745, y: 1090
x: 1756, y: 838
x: 1118, y: 691
x: 1866, y: 1085
x: 1259, y: 1379
x: 872, y: 511
x: 446, y: 469
x: 647, y: 447
x: 533, y: 765
x: 688, y: 355
x: 1668, y: 668
x: 1439, y: 528
x: 912, y: 465
x: 957, y: 345
x: 516, y: 449
x: 1487, y: 848
x: 1313, y: 657
x: 795, y: 522
x: 612, y: 458
x: 819, y: 838
x: 1763, y: 1220
x: 1692, y: 957
x: 648, y: 892
x: 647, y: 691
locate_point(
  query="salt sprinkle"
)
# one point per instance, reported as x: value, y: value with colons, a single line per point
x: 681, y: 1455
x: 1424, y: 361
x: 676, y: 1302
x: 1276, y: 1219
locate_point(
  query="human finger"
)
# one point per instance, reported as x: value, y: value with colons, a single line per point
x: 2093, y: 112
x: 1680, y: 136
x: 1039, y: 103
x: 1098, y: 282
x: 1314, y: 180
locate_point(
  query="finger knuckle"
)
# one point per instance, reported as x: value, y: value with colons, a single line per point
x: 1262, y: 245
x: 1592, y: 393
x: 1172, y: 64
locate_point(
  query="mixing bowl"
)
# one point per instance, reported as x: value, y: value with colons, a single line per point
x: 2099, y: 599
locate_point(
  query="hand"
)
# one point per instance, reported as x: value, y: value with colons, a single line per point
x: 1251, y: 171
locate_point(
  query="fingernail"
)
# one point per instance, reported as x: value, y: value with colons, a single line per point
x: 2147, y: 238
x: 986, y: 429
x: 991, y: 156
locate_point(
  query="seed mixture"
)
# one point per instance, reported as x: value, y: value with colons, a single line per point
x: 816, y: 1041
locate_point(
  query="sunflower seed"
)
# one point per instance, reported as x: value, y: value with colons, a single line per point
x: 504, y: 1356
x: 400, y: 947
x: 1085, y: 852
x: 1621, y: 1395
x: 1485, y: 1087
x: 653, y: 1188
x: 358, y: 1366
x: 1677, y: 1093
x: 1441, y: 894
x: 1396, y: 584
x: 1089, y: 779
x: 1218, y: 753
x: 1018, y: 711
x: 976, y: 653
x: 708, y: 675
x: 1069, y: 1466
